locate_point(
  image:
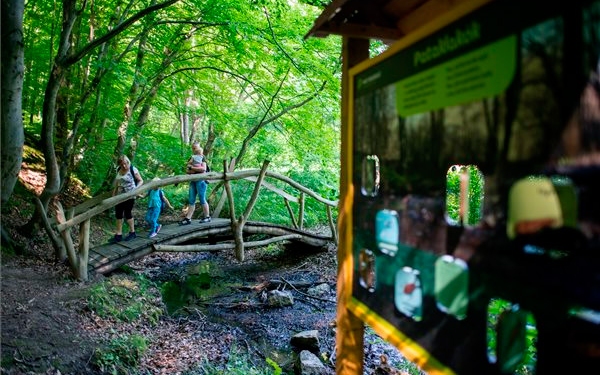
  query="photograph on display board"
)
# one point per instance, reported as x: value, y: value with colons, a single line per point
x: 476, y: 214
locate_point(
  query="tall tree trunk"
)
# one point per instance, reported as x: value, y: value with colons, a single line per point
x: 62, y: 62
x: 11, y: 94
x: 57, y: 76
x: 211, y: 136
x: 184, y: 117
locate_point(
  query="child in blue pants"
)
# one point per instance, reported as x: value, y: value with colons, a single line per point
x: 156, y: 201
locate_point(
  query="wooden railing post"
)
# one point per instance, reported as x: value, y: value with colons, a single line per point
x: 77, y: 259
x: 84, y: 250
x: 237, y: 225
x: 291, y: 212
x: 221, y: 203
x: 332, y: 225
x: 301, y: 211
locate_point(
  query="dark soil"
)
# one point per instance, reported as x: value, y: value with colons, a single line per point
x: 47, y: 327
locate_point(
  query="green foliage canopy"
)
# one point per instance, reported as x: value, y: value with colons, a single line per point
x: 236, y: 75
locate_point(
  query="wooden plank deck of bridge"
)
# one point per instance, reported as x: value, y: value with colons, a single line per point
x: 109, y: 256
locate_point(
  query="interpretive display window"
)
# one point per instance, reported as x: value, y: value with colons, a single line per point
x: 464, y: 195
x: 370, y: 176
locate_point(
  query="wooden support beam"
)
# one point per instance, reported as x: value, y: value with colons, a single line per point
x: 59, y: 247
x: 203, y: 233
x: 113, y: 265
x: 254, y: 196
x: 67, y: 243
x: 274, y: 231
x: 235, y: 226
x: 332, y: 225
x: 224, y: 246
x: 291, y: 212
x: 275, y: 189
x: 73, y: 211
x: 219, y: 207
x: 238, y: 224
x: 301, y: 212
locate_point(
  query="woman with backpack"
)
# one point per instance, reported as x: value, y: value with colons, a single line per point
x: 128, y: 178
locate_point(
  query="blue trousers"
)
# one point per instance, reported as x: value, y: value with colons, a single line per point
x: 197, y: 188
x: 152, y: 218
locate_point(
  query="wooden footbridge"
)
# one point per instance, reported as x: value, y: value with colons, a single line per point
x: 230, y: 232
x: 213, y: 236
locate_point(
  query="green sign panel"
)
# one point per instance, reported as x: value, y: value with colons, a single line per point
x: 482, y: 73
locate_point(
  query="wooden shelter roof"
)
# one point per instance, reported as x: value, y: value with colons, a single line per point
x: 386, y: 20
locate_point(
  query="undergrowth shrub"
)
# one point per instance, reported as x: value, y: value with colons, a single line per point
x: 238, y: 364
x: 126, y: 298
x: 121, y: 354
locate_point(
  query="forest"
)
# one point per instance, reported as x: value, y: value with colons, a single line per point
x: 85, y: 82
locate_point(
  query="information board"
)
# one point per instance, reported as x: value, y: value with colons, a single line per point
x: 476, y: 206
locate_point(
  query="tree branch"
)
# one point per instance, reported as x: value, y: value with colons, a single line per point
x: 75, y: 57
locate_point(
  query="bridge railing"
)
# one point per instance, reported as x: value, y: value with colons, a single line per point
x: 81, y: 215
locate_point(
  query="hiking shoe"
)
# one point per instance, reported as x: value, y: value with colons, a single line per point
x: 153, y: 234
x: 185, y: 221
x: 158, y: 228
x: 116, y: 238
x: 130, y: 236
x: 205, y: 219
